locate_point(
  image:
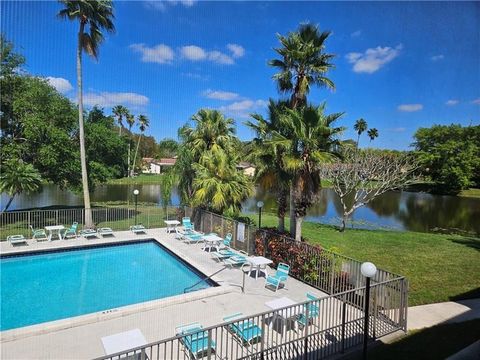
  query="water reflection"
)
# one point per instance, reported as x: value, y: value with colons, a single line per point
x: 394, y: 210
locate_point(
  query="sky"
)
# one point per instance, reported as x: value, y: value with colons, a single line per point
x: 398, y: 65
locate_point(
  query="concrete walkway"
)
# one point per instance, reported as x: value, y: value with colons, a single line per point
x: 423, y: 316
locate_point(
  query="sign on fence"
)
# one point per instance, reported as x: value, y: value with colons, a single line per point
x: 241, y: 232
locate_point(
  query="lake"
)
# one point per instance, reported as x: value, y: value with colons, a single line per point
x: 394, y: 210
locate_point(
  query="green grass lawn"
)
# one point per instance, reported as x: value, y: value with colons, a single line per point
x: 152, y: 179
x: 475, y: 193
x: 437, y: 342
x: 438, y: 267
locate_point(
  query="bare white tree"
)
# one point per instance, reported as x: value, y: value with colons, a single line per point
x: 364, y: 175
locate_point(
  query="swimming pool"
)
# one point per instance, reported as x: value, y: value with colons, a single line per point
x: 58, y: 285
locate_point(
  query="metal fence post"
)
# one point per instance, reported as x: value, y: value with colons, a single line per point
x: 209, y: 349
x: 307, y: 322
x: 344, y: 311
x: 333, y: 273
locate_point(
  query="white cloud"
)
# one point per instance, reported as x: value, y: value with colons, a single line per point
x: 162, y: 5
x: 237, y: 50
x: 373, y: 59
x: 437, y: 57
x: 243, y: 108
x: 62, y: 85
x: 196, y: 76
x: 220, y: 58
x: 110, y: 99
x: 398, y: 129
x: 192, y: 52
x: 476, y: 101
x: 452, y: 102
x: 410, y: 107
x: 220, y: 95
x: 356, y: 33
x: 160, y: 53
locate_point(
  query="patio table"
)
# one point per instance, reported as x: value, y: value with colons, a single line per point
x: 257, y: 262
x: 123, y: 341
x: 211, y: 241
x: 285, y: 314
x: 171, y: 225
x: 55, y: 229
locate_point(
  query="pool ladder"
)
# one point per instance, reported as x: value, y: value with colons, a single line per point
x: 189, y: 288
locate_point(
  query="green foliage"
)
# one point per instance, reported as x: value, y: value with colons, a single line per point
x: 18, y: 177
x: 167, y: 148
x: 450, y: 155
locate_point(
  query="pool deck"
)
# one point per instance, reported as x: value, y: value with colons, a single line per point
x: 80, y: 337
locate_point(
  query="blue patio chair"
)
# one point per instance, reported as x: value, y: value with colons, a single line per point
x: 195, y: 340
x: 245, y: 330
x: 238, y: 259
x: 313, y: 311
x: 71, y: 232
x: 279, y: 278
x: 227, y: 241
x: 38, y: 234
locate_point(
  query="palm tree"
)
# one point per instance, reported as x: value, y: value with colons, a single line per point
x: 303, y: 62
x: 130, y: 121
x: 119, y: 112
x: 267, y: 157
x: 18, y: 177
x: 360, y: 126
x: 372, y: 134
x: 143, y: 124
x: 93, y: 17
x: 314, y: 141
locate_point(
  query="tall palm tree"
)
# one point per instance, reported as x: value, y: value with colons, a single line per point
x: 372, y: 134
x: 130, y: 121
x: 314, y: 141
x: 18, y: 177
x: 303, y: 63
x: 120, y: 111
x: 93, y: 16
x: 143, y: 124
x: 270, y: 173
x: 360, y: 126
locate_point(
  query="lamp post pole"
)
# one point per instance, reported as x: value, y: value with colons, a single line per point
x: 135, y: 193
x: 260, y: 205
x: 368, y: 270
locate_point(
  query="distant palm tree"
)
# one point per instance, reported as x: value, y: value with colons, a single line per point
x: 360, y: 126
x: 143, y: 124
x: 270, y: 173
x: 120, y: 112
x: 372, y: 134
x: 304, y: 62
x: 130, y: 121
x: 313, y: 142
x: 18, y: 177
x: 94, y: 15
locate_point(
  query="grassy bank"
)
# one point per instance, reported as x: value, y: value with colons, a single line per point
x: 475, y: 193
x: 147, y: 179
x: 438, y: 267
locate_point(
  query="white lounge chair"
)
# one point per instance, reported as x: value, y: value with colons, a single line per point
x: 16, y: 239
x: 88, y: 233
x: 105, y: 231
x: 138, y: 229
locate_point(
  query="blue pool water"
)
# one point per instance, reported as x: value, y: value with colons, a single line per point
x: 59, y: 285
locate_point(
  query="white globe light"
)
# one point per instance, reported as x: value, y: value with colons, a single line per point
x: 368, y: 269
x: 260, y: 204
x: 136, y: 192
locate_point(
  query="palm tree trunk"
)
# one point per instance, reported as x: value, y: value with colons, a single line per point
x: 120, y: 130
x: 128, y: 157
x: 292, y: 209
x: 282, y: 208
x: 9, y: 203
x: 298, y: 228
x: 136, y: 153
x: 83, y: 160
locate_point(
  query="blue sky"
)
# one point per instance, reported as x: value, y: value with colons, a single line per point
x: 400, y: 66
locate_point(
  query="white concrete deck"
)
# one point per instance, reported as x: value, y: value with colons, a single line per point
x: 79, y: 337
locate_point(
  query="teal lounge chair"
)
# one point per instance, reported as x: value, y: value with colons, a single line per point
x: 193, y: 238
x: 247, y: 331
x: 39, y: 234
x: 238, y: 259
x: 313, y: 311
x: 223, y: 254
x: 187, y: 224
x: 16, y: 239
x: 72, y: 231
x: 226, y: 242
x: 195, y: 340
x: 279, y: 278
